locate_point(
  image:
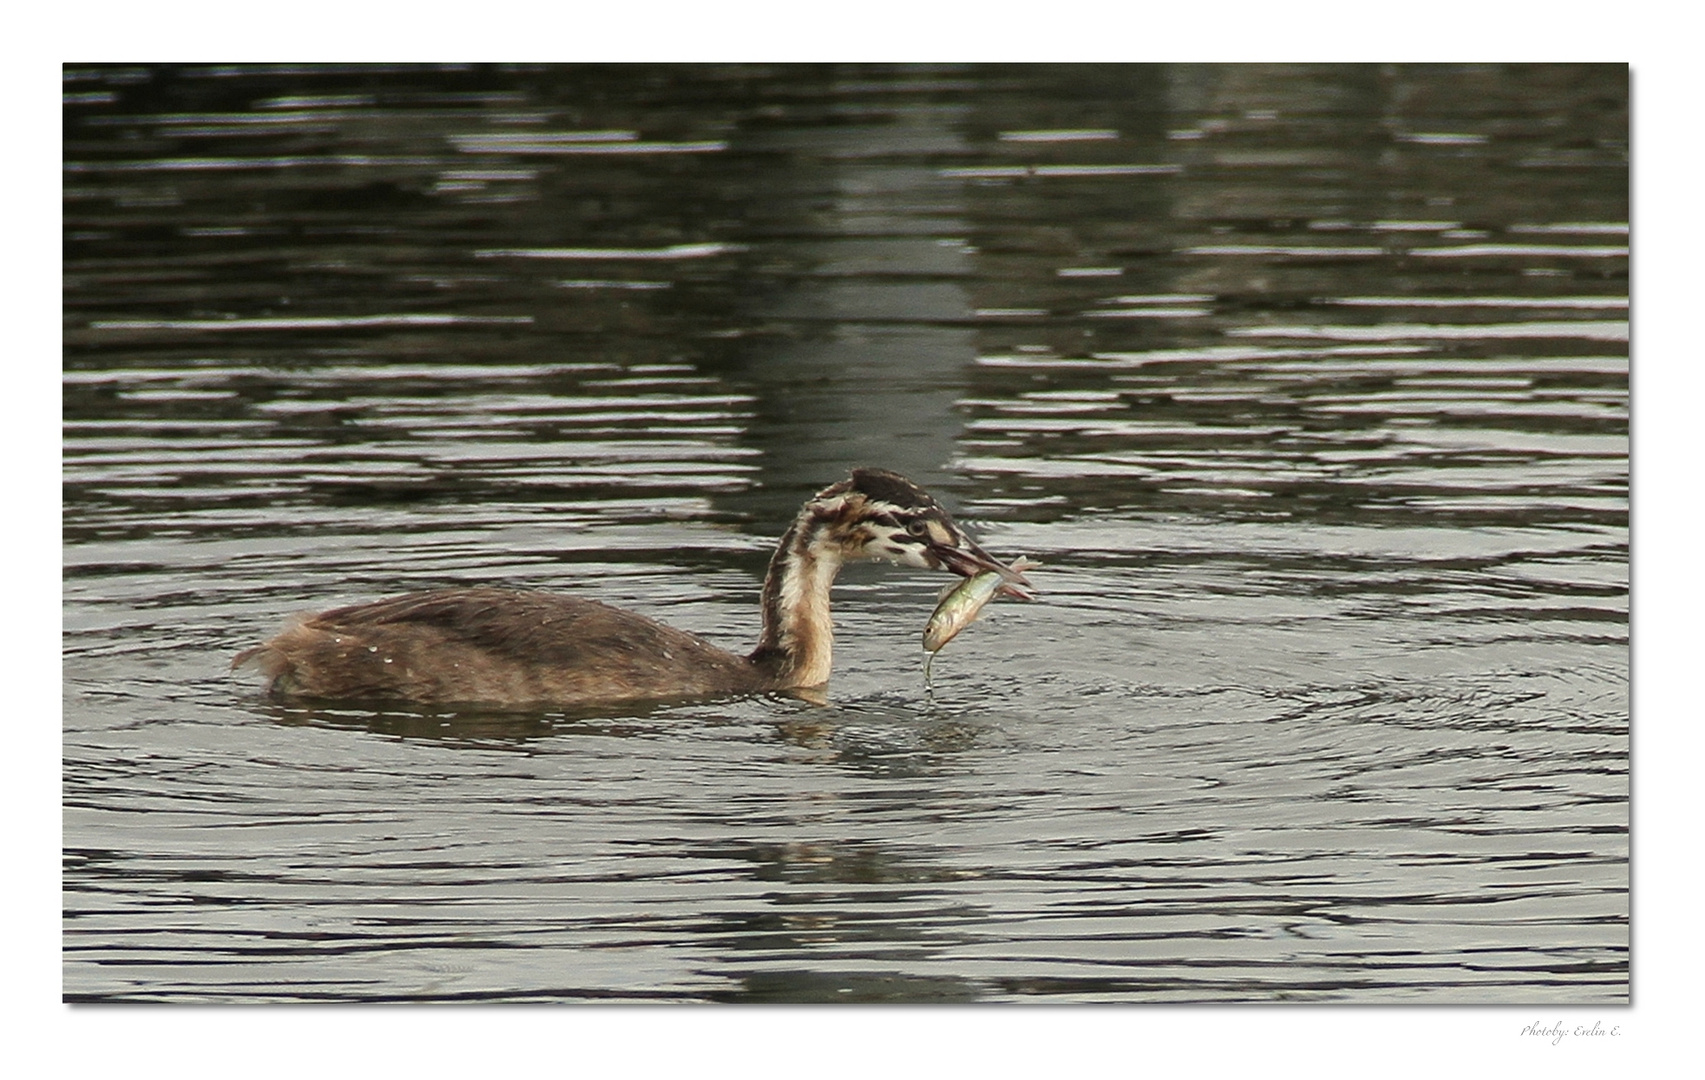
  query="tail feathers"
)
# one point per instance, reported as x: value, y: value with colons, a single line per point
x: 270, y: 657
x: 265, y: 659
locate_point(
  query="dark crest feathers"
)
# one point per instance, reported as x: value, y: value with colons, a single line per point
x: 889, y: 487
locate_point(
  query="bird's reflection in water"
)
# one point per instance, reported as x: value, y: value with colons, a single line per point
x: 467, y: 727
x: 862, y: 986
x: 891, y: 734
x: 835, y: 905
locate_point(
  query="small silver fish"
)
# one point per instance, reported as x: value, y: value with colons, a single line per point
x: 962, y: 603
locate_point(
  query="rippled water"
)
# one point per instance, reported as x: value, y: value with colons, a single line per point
x: 1308, y: 385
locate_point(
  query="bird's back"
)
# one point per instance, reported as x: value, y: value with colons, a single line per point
x: 497, y: 647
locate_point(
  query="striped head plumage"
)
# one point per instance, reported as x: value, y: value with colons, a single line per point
x: 876, y: 514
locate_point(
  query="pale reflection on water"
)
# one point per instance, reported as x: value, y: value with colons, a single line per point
x: 1309, y: 387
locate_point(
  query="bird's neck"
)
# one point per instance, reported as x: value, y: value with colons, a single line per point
x: 797, y: 644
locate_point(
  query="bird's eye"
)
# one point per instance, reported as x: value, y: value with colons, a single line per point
x: 917, y: 528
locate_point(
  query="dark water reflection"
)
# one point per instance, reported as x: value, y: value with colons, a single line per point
x: 1308, y: 385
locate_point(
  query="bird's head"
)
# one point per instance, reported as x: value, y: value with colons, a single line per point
x: 876, y: 514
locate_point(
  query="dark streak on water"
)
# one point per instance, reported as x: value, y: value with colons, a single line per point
x: 1309, y: 386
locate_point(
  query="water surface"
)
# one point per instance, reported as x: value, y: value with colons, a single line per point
x: 1309, y: 385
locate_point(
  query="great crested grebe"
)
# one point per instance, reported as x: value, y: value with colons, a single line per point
x: 509, y: 647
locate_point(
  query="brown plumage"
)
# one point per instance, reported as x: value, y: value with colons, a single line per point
x: 515, y: 648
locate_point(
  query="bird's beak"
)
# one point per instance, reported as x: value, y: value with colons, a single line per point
x: 965, y: 558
